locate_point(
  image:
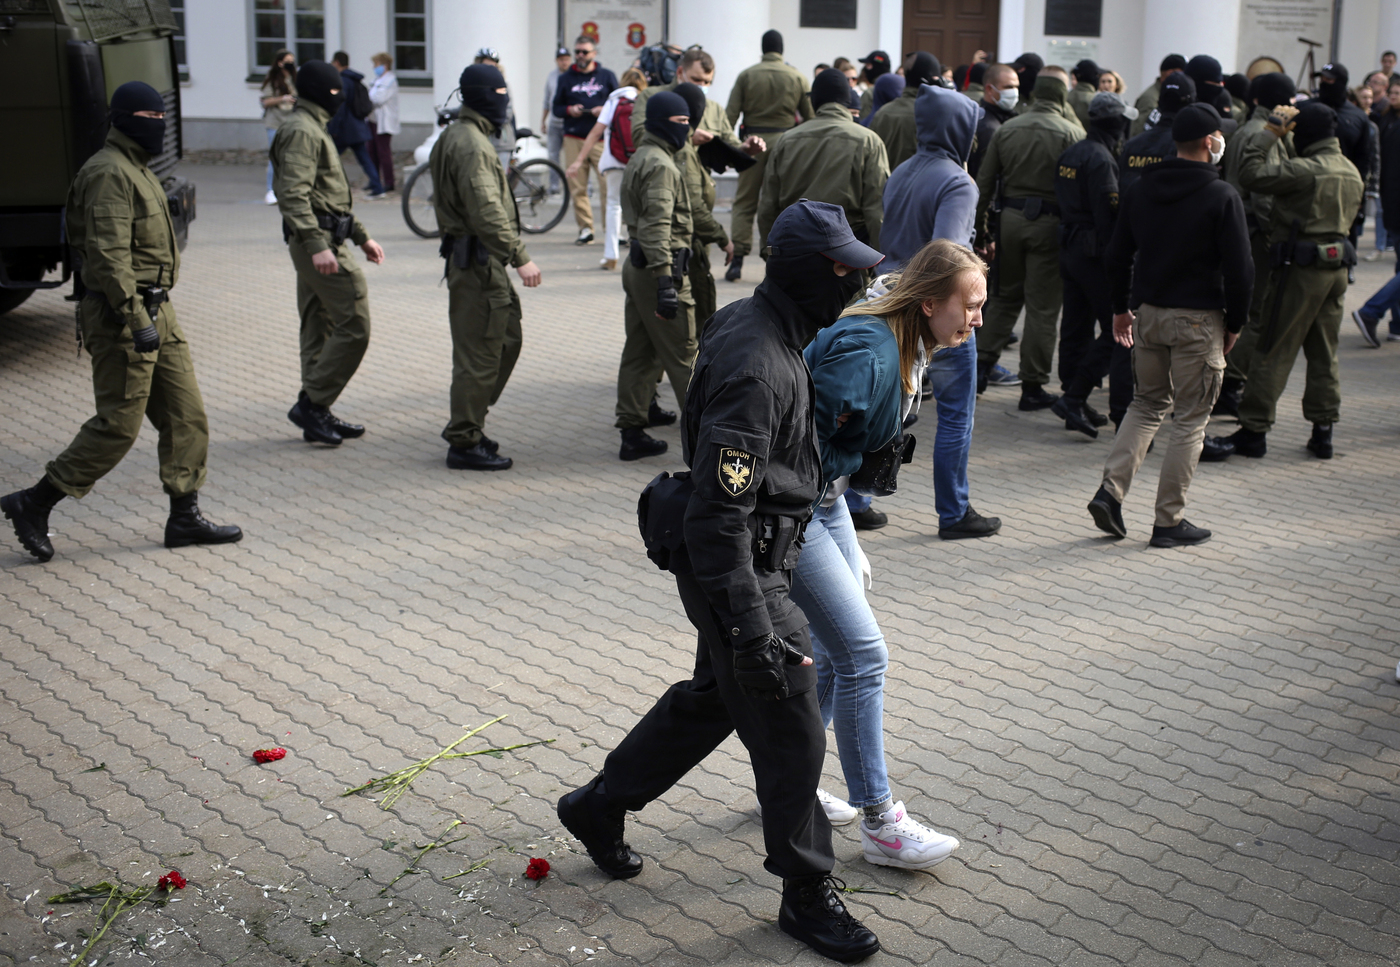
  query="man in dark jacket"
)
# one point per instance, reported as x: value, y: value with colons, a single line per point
x: 1000, y: 92
x: 1086, y: 86
x: 1180, y: 258
x: 1205, y: 71
x: 750, y: 442
x: 1354, y: 132
x: 1147, y: 100
x: 348, y: 131
x: 579, y: 97
x: 1086, y: 187
x: 1155, y: 144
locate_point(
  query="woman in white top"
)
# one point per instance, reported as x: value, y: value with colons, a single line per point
x: 384, y: 122
x: 278, y: 96
x: 613, y: 161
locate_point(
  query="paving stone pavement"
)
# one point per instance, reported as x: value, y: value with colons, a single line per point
x: 1151, y: 757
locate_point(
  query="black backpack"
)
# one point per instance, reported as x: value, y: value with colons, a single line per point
x: 659, y: 63
x: 358, y: 102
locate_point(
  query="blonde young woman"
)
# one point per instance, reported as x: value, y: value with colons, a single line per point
x: 1111, y: 82
x: 866, y: 370
x: 613, y: 161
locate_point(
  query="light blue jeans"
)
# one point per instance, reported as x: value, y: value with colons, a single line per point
x: 850, y: 652
x: 271, y: 133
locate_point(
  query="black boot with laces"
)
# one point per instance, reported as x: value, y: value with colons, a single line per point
x: 28, y: 510
x: 598, y: 824
x: 812, y: 912
x: 187, y: 525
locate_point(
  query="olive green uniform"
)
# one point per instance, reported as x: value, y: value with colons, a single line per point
x: 1320, y: 190
x: 1259, y: 215
x: 769, y: 95
x: 656, y: 207
x: 1062, y: 107
x: 118, y: 223
x: 1146, y: 104
x: 1024, y: 155
x: 974, y: 91
x: 833, y: 159
x: 310, y: 182
x: 1079, y: 100
x: 481, y: 235
x: 895, y: 125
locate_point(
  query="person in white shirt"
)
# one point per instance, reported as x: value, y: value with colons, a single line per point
x: 613, y: 161
x: 384, y: 122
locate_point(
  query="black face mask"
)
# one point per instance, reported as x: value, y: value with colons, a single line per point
x: 479, y: 84
x: 673, y: 133
x: 149, y: 133
x: 316, y: 80
x: 809, y: 281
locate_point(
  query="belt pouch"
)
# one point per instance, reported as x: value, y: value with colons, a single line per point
x: 635, y: 255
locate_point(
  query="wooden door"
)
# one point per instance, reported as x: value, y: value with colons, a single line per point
x: 951, y: 30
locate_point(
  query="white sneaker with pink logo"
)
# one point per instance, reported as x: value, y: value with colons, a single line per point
x: 901, y: 842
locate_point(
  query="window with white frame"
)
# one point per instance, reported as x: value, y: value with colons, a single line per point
x: 298, y: 25
x: 408, y: 39
x: 177, y: 7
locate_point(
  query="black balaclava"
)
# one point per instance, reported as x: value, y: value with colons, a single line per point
x: 315, y: 81
x: 135, y: 96
x: 695, y: 101
x: 660, y: 109
x: 1271, y: 90
x: 1027, y: 67
x: 1209, y: 77
x: 975, y: 75
x: 1178, y: 90
x: 772, y: 42
x: 479, y: 84
x: 922, y: 68
x: 1110, y: 132
x: 1315, y: 122
x: 1086, y: 71
x: 1332, y: 86
x: 1172, y: 62
x: 809, y: 281
x: 830, y: 85
x: 1238, y: 86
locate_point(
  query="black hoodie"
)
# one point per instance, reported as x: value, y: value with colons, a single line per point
x: 1186, y: 228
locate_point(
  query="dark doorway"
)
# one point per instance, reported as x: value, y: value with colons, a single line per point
x: 951, y: 30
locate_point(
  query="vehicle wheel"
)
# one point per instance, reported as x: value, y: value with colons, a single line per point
x: 20, y: 272
x: 541, y: 194
x: 418, y: 209
x: 12, y: 298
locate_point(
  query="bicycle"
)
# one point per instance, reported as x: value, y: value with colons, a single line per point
x: 540, y: 208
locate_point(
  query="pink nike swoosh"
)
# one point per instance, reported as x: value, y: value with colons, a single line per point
x: 897, y: 844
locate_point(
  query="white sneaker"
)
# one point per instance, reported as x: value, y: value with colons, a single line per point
x: 270, y: 198
x: 838, y: 811
x: 903, y: 843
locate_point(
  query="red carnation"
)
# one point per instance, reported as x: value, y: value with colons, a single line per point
x: 171, y: 881
x: 537, y: 870
x: 268, y: 755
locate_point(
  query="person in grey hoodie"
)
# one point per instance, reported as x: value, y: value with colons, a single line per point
x: 931, y: 196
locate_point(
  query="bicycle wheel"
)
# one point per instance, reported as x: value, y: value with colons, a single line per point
x: 540, y: 209
x: 418, y: 209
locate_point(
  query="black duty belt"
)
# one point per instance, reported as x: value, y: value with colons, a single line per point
x: 1032, y: 207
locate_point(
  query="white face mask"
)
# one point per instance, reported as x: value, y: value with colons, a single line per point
x: 1216, y: 153
x: 1009, y: 97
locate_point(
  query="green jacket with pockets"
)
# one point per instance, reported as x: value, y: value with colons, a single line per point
x: 470, y: 191
x: 894, y: 123
x: 656, y: 204
x: 1276, y: 149
x: 1025, y: 151
x: 309, y: 179
x: 1320, y: 188
x: 769, y: 95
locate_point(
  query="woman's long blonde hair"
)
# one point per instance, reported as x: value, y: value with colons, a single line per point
x: 632, y: 77
x: 931, y: 275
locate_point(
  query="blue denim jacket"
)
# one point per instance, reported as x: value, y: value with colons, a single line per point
x: 855, y: 370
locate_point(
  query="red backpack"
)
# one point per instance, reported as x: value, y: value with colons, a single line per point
x: 620, y: 132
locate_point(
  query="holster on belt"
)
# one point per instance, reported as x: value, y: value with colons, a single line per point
x: 340, y: 227
x: 661, y: 519
x: 463, y: 251
x: 777, y: 541
x: 680, y: 264
x: 1325, y: 255
x: 635, y: 255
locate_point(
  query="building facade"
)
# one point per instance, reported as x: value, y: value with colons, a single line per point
x: 227, y: 44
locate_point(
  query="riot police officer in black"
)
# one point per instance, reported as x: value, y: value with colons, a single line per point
x: 755, y: 472
x: 1155, y: 144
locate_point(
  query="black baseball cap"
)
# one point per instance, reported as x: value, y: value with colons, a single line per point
x: 810, y: 227
x: 562, y: 52
x: 876, y: 58
x: 1195, y: 121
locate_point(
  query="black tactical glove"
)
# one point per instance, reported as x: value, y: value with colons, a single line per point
x: 146, y: 339
x: 668, y: 303
x: 758, y: 666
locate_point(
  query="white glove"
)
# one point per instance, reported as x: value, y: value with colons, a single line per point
x: 865, y: 571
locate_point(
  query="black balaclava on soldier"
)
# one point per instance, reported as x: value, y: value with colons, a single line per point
x: 479, y: 84
x: 809, y: 281
x: 1315, y: 122
x: 772, y: 42
x: 1027, y: 67
x: 695, y: 100
x: 1178, y: 90
x: 135, y: 96
x: 830, y: 85
x: 660, y: 109
x: 1086, y: 71
x: 1332, y: 86
x: 315, y: 81
x: 1238, y: 86
x: 922, y: 68
x: 1271, y: 90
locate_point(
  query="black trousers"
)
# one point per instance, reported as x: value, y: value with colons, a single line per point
x: 1086, y: 358
x: 785, y: 741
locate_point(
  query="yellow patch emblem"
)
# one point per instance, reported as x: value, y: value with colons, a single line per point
x: 735, y: 470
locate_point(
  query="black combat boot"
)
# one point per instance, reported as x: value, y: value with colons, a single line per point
x: 656, y: 416
x: 1321, y: 442
x: 1095, y: 417
x: 28, y: 510
x: 187, y: 525
x: 1107, y: 512
x: 637, y: 443
x: 1072, y: 411
x: 598, y: 824
x: 484, y: 456
x: 1248, y: 443
x: 812, y: 912
x: 1034, y: 397
x: 736, y: 267
x: 315, y: 422
x: 1228, y: 403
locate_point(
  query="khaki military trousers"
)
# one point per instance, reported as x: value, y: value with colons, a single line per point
x: 128, y: 387
x: 1237, y: 362
x: 746, y: 197
x: 578, y: 185
x: 1310, y: 319
x: 1028, y: 267
x: 1178, y: 366
x: 483, y: 310
x: 334, y: 323
x: 652, y: 345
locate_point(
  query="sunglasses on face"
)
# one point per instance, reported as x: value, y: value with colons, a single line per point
x: 580, y: 51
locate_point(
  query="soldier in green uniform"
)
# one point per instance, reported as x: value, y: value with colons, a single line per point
x: 119, y: 228
x: 1269, y: 91
x: 1086, y: 85
x: 832, y: 159
x: 769, y: 95
x: 876, y: 65
x: 1028, y: 68
x: 1018, y: 172
x: 660, y: 314
x: 894, y: 122
x: 480, y: 236
x: 332, y: 296
x: 1315, y: 197
x: 1147, y: 100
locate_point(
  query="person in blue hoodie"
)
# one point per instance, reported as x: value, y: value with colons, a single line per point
x: 931, y: 196
x: 865, y: 378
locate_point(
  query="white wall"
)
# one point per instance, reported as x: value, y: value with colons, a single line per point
x: 805, y: 48
x: 216, y: 45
